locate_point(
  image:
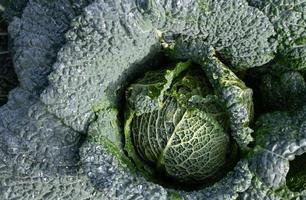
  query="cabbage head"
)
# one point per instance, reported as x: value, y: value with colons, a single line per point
x: 177, y: 124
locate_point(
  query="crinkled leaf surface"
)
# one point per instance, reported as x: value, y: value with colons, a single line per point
x: 103, y: 47
x: 31, y: 137
x: 242, y: 35
x: 38, y: 35
x: 34, y: 143
x: 289, y: 20
x: 236, y: 98
x: 280, y: 137
x: 49, y: 187
x: 130, y: 37
x: 117, y: 181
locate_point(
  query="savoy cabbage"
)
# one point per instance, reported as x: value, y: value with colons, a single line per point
x: 153, y: 99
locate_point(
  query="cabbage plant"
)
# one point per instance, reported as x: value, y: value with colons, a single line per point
x: 94, y: 76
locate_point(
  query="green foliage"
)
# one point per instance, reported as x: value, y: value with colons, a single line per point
x: 289, y: 20
x: 62, y: 130
x: 280, y: 140
x: 235, y: 96
x: 241, y: 35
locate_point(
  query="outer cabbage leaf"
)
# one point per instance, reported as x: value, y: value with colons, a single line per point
x: 258, y: 190
x: 30, y: 136
x: 37, y: 36
x: 48, y: 187
x: 289, y: 20
x: 235, y: 96
x: 112, y: 177
x: 242, y: 35
x: 33, y: 141
x: 105, y: 44
x: 280, y: 137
